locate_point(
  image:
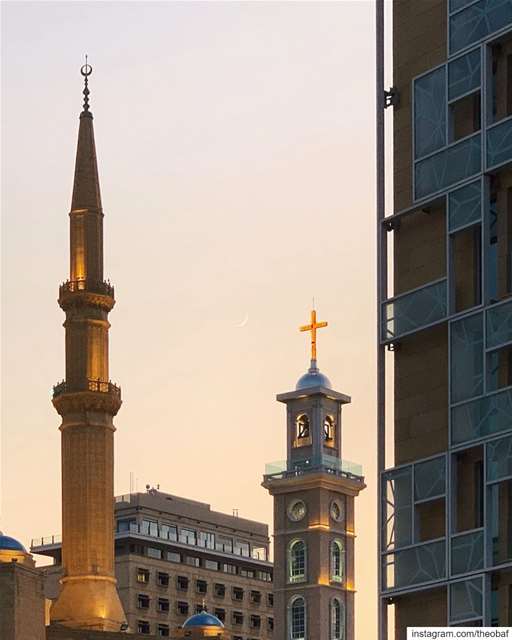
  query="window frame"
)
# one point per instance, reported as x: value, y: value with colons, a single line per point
x: 294, y: 574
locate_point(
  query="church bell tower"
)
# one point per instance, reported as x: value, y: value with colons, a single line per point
x: 314, y: 492
x: 87, y: 402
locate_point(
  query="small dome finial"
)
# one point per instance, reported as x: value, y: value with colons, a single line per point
x: 86, y: 71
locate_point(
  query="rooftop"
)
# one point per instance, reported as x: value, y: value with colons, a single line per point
x: 176, y: 507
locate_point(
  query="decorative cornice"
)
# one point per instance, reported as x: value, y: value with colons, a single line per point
x: 82, y: 293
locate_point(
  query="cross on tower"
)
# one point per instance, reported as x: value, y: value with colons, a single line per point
x: 313, y: 326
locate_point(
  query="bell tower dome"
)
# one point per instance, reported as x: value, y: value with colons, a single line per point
x: 314, y: 492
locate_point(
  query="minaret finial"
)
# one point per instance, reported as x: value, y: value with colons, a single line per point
x: 86, y: 71
x: 313, y: 326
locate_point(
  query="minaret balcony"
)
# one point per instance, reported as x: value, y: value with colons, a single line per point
x: 92, y: 394
x: 79, y: 292
x: 70, y: 286
x: 90, y: 385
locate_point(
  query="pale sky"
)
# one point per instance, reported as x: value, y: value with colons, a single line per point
x: 236, y: 152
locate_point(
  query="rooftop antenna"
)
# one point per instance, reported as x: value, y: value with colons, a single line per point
x: 235, y: 513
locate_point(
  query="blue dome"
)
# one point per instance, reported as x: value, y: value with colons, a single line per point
x: 313, y: 378
x: 10, y: 544
x: 203, y: 619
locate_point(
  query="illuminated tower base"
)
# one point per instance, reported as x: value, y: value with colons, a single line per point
x: 90, y: 602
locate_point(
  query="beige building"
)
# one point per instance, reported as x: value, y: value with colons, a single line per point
x: 175, y: 556
x: 446, y: 317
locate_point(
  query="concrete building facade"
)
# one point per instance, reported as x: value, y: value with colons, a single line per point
x: 314, y: 534
x: 174, y: 557
x: 446, y: 318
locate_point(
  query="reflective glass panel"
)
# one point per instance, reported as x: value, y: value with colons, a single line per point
x: 430, y: 112
x: 188, y: 536
x: 464, y: 205
x: 415, y: 310
x: 424, y: 563
x: 482, y: 417
x: 499, y: 325
x: 464, y: 74
x: 499, y: 458
x: 466, y: 600
x: 499, y: 143
x: 397, y: 508
x: 429, y: 479
x: 449, y: 166
x: 466, y: 358
x: 478, y: 21
x: 468, y: 552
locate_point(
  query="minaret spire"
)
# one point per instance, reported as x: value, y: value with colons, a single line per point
x: 87, y: 401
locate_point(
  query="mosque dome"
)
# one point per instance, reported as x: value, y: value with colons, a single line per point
x: 313, y: 378
x: 10, y: 544
x: 203, y: 619
x: 11, y: 550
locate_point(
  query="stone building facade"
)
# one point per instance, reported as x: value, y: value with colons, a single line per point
x: 174, y: 556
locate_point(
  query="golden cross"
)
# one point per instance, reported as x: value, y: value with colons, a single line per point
x: 313, y: 327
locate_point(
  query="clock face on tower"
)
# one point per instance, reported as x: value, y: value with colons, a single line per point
x: 337, y: 510
x: 296, y: 510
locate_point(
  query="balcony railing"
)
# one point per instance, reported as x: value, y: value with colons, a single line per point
x: 45, y: 541
x: 330, y: 464
x: 91, y: 384
x: 169, y: 534
x: 413, y: 310
x: 70, y: 286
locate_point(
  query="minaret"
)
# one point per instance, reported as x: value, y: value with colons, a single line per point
x: 314, y: 492
x: 87, y: 402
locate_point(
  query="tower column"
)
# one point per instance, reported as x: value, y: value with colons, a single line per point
x: 87, y: 402
x: 314, y: 494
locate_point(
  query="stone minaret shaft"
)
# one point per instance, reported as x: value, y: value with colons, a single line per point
x: 87, y: 402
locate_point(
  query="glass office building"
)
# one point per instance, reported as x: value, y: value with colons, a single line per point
x: 445, y: 305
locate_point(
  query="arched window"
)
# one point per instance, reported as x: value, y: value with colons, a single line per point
x: 297, y: 561
x: 297, y: 618
x: 337, y: 619
x: 302, y: 431
x: 329, y: 431
x: 338, y: 560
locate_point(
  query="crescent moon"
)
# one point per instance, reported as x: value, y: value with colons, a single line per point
x: 242, y: 324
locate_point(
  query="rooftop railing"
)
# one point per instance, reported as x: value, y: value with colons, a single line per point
x: 329, y: 464
x: 45, y: 541
x: 90, y: 385
x: 169, y: 533
x: 70, y: 286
